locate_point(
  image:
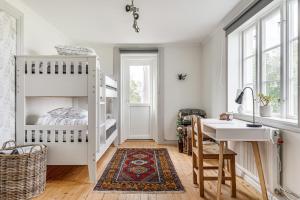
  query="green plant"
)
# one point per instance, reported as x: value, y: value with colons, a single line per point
x: 265, y: 100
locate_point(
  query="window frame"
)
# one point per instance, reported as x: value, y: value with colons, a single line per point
x: 289, y: 41
x: 284, y: 45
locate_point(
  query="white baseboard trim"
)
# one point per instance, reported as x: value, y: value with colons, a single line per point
x: 254, y: 181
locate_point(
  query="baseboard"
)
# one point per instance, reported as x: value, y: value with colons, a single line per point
x: 254, y: 181
x: 168, y: 142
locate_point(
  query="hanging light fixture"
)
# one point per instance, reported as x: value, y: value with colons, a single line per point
x: 135, y: 13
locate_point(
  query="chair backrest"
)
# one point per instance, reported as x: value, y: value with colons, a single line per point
x: 197, y: 135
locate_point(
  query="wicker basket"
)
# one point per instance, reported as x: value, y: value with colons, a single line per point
x: 23, y: 176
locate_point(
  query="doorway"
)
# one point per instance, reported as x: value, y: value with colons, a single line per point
x: 138, y: 96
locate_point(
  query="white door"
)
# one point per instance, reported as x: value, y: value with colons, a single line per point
x: 138, y: 95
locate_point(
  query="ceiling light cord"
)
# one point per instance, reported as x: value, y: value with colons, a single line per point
x: 135, y: 13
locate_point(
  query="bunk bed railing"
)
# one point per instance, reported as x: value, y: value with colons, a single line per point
x: 55, y: 65
x: 55, y: 134
x: 55, y: 75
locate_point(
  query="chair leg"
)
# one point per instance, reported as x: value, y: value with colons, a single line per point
x: 233, y: 176
x: 228, y: 165
x: 194, y: 167
x: 223, y: 173
x: 201, y: 175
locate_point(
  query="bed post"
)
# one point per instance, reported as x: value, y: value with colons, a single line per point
x: 20, y: 100
x: 92, y: 118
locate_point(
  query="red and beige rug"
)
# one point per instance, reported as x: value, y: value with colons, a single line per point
x: 140, y: 170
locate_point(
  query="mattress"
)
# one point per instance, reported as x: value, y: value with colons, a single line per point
x: 110, y: 127
x: 109, y: 123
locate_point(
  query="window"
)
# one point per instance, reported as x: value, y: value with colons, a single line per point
x: 266, y: 47
x: 139, y: 88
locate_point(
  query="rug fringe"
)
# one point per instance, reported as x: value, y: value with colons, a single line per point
x: 139, y: 192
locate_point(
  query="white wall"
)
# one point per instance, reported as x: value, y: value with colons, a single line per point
x: 40, y: 37
x: 213, y: 87
x: 180, y: 94
x: 38, y: 106
x: 213, y: 75
x: 106, y: 54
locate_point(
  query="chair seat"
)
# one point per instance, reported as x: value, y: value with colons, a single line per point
x: 211, y: 151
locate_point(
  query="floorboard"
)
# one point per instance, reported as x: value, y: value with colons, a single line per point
x: 71, y: 182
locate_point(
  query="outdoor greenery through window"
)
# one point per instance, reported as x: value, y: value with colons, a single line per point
x: 139, y: 88
x: 269, y: 58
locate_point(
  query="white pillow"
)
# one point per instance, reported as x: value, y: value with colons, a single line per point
x: 74, y: 50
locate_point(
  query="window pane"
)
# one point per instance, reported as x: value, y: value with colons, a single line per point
x: 293, y: 19
x: 271, y: 30
x: 249, y: 80
x: 293, y: 60
x: 249, y: 72
x: 249, y: 66
x: 271, y: 76
x: 250, y: 42
x: 139, y: 91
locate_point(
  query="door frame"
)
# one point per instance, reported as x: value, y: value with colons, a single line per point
x: 124, y: 127
x: 159, y: 137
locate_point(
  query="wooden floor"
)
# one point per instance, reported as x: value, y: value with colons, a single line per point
x: 71, y: 182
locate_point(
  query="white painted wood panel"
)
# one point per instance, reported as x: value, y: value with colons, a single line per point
x: 71, y: 154
x: 59, y: 85
x: 110, y: 82
x: 111, y: 93
x: 140, y: 122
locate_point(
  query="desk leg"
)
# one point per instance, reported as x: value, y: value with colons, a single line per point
x: 260, y: 170
x: 221, y: 162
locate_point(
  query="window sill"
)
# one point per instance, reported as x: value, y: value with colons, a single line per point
x: 284, y: 124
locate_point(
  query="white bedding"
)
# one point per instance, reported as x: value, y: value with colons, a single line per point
x: 65, y: 116
x: 69, y: 116
x: 50, y: 120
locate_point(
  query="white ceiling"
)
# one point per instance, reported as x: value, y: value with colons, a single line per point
x: 161, y: 21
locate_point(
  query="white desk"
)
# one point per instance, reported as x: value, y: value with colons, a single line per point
x: 236, y: 130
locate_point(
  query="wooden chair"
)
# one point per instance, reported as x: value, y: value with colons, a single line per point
x: 209, y: 151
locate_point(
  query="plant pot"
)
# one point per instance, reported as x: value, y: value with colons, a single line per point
x: 180, y: 146
x: 265, y: 111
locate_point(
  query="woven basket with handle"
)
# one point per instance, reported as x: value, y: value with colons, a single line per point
x: 23, y: 176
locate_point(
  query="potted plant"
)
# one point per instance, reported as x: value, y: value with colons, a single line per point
x: 180, y: 139
x: 265, y: 107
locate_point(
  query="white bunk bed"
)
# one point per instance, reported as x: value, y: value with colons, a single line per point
x: 65, y: 76
x: 108, y: 122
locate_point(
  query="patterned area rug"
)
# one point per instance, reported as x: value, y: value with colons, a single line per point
x: 140, y: 170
